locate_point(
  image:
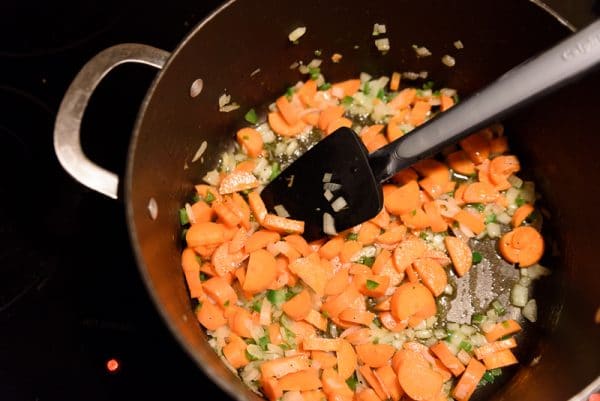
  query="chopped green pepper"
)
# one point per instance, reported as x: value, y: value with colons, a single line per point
x: 251, y: 116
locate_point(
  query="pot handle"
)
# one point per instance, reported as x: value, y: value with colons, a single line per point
x: 67, y: 144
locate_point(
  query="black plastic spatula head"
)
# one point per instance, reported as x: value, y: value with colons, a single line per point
x: 336, y: 168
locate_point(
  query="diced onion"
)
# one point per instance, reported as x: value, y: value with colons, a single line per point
x: 281, y: 211
x: 448, y: 60
x: 212, y: 178
x: 503, y: 218
x: 196, y: 87
x: 379, y: 28
x: 329, y: 224
x: 328, y: 195
x: 530, y: 310
x: 253, y: 73
x: 297, y: 33
x: 200, y: 151
x: 265, y: 312
x: 410, y: 75
x: 493, y: 230
x: 383, y: 44
x: 515, y: 181
x: 229, y: 107
x: 459, y: 45
x: 536, y: 271
x: 327, y: 177
x: 224, y: 99
x: 332, y: 186
x: 421, y: 51
x: 153, y: 208
x: 423, y: 334
x: 315, y: 63
x: 463, y: 357
x: 339, y: 204
x: 190, y: 213
x: 364, y: 77
x: 519, y: 295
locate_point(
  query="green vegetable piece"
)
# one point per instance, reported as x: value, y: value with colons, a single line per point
x: 377, y: 322
x: 428, y: 85
x: 491, y: 218
x: 496, y: 372
x: 520, y: 201
x: 183, y: 217
x: 324, y: 87
x: 318, y: 52
x: 275, y: 171
x: 477, y: 257
x: 263, y: 342
x: 347, y: 100
x: 183, y: 234
x: 352, y: 237
x: 256, y: 305
x: 366, y: 88
x: 466, y: 346
x: 489, y: 377
x: 251, y: 116
x: 203, y: 276
x: 367, y: 261
x: 500, y: 310
x: 209, y: 198
x: 276, y: 297
x: 226, y: 303
x: 477, y: 318
x: 314, y: 73
x: 289, y: 93
x: 196, y: 198
x: 250, y: 357
x: 352, y: 381
x: 381, y: 95
x: 371, y: 285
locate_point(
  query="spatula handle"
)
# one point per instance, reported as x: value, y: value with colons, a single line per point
x: 532, y: 79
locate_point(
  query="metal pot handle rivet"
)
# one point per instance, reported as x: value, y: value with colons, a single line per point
x: 67, y: 144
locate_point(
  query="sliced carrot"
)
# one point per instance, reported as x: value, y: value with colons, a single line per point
x: 372, y: 285
x: 349, y: 250
x: 235, y: 352
x: 436, y: 221
x: 460, y: 162
x: 394, y: 128
x: 335, y: 386
x: 374, y: 355
x: 458, y: 194
x: 523, y: 245
x: 257, y: 206
x: 261, y: 271
x: 240, y: 321
x: 313, y: 395
x: 404, y: 99
x: 270, y: 388
x: 302, y: 330
x: 416, y: 219
x: 346, y: 359
x: 446, y: 356
x: 240, y: 207
x: 289, y: 110
x: 357, y: 335
x: 311, y: 271
x: 502, y: 329
x: 460, y: 253
x: 357, y: 317
x: 328, y: 115
x: 283, y: 366
x: 499, y: 359
x: 392, y: 235
x: 251, y: 141
x: 502, y: 167
x: 367, y: 394
x: 498, y: 145
x: 474, y: 221
x: 274, y: 331
x: 237, y: 181
x: 303, y: 380
x: 299, y: 244
x: 316, y: 319
x: 205, y: 233
x: 337, y: 123
x: 325, y: 359
x: 210, y: 315
x: 311, y: 118
x: 226, y: 215
x: 281, y: 127
x: 469, y: 380
x: 298, y: 307
x: 373, y: 381
x: 307, y: 93
x: 395, y: 81
x: 338, y: 283
x: 368, y: 233
x: 357, y: 269
x: 202, y: 212
x: 381, y: 260
x: 432, y: 274
x: 446, y: 102
x: 521, y: 214
x: 405, y: 176
x: 349, y: 87
x: 378, y: 142
x: 219, y: 290
x: 349, y: 298
x: 390, y: 381
x: 246, y: 165
x: 283, y: 225
x: 206, y: 191
x: 491, y: 348
x: 260, y: 239
x: 403, y: 199
x: 369, y: 133
x: 411, y: 274
x: 419, y: 112
x: 417, y: 378
x: 412, y: 299
x: 191, y: 269
x: 331, y: 248
x: 477, y: 147
x: 321, y: 344
x: 407, y: 252
x: 480, y: 192
x: 433, y: 187
x: 389, y: 322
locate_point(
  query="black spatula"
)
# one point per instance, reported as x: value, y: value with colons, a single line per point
x: 337, y: 185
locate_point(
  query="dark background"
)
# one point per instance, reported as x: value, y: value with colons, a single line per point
x: 70, y: 294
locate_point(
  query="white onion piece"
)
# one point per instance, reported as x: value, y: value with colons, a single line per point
x: 281, y: 211
x: 459, y: 45
x: 196, y: 87
x: 328, y: 195
x: 421, y: 51
x: 200, y: 151
x: 315, y: 63
x: 327, y: 177
x: 332, y: 186
x: 519, y: 295
x: 297, y: 33
x: 190, y: 213
x: 503, y: 218
x: 224, y: 99
x: 515, y: 181
x: 339, y: 204
x: 493, y: 230
x: 448, y: 60
x: 530, y: 311
x: 329, y: 224
x: 265, y: 312
x: 383, y: 44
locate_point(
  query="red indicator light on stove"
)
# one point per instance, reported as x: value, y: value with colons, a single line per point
x: 112, y: 365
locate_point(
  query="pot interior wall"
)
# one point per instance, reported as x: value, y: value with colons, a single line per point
x: 246, y: 35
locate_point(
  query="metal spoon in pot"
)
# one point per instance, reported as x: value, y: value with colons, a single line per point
x: 341, y: 163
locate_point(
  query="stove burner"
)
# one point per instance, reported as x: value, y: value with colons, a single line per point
x: 50, y: 27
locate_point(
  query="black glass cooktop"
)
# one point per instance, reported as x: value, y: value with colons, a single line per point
x: 76, y: 322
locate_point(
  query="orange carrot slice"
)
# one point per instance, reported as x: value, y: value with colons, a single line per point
x: 402, y: 200
x: 311, y: 271
x: 237, y: 181
x: 260, y: 239
x: 521, y: 214
x: 331, y: 248
x: 328, y: 115
x: 474, y: 221
x: 210, y: 315
x: 357, y: 317
x: 502, y: 329
x: 226, y: 215
x: 523, y: 245
x: 390, y: 381
x: 270, y: 388
x: 374, y: 355
x: 432, y: 274
x: 283, y: 225
x: 498, y: 145
x: 419, y: 112
x: 491, y: 348
x: 436, y: 221
x: 321, y: 344
x: 404, y: 99
x: 289, y: 110
x: 335, y: 386
x: 349, y: 250
x: 469, y: 380
x: 303, y: 380
x: 349, y: 87
x: 299, y: 244
x: 337, y: 123
x: 417, y: 378
x: 412, y: 299
x: 392, y: 235
x: 477, y: 147
x: 261, y: 271
x: 324, y: 359
x: 480, y: 192
x: 446, y: 102
x: 395, y: 81
x: 235, y: 352
x: 202, y: 212
x: 501, y: 168
x: 219, y: 290
x: 205, y: 233
x: 499, y: 359
x: 281, y: 127
x: 246, y: 165
x: 460, y: 253
x: 257, y: 206
x: 274, y: 332
x: 460, y: 162
x: 373, y: 381
x: 407, y: 252
x: 405, y: 176
x: 367, y: 394
x: 299, y: 306
x: 346, y: 359
x: 251, y: 141
x: 307, y: 93
x: 316, y: 319
x: 446, y: 356
x: 283, y: 366
x: 416, y: 219
x: 338, y: 283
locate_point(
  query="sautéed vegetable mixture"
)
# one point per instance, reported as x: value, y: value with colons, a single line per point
x: 357, y: 315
